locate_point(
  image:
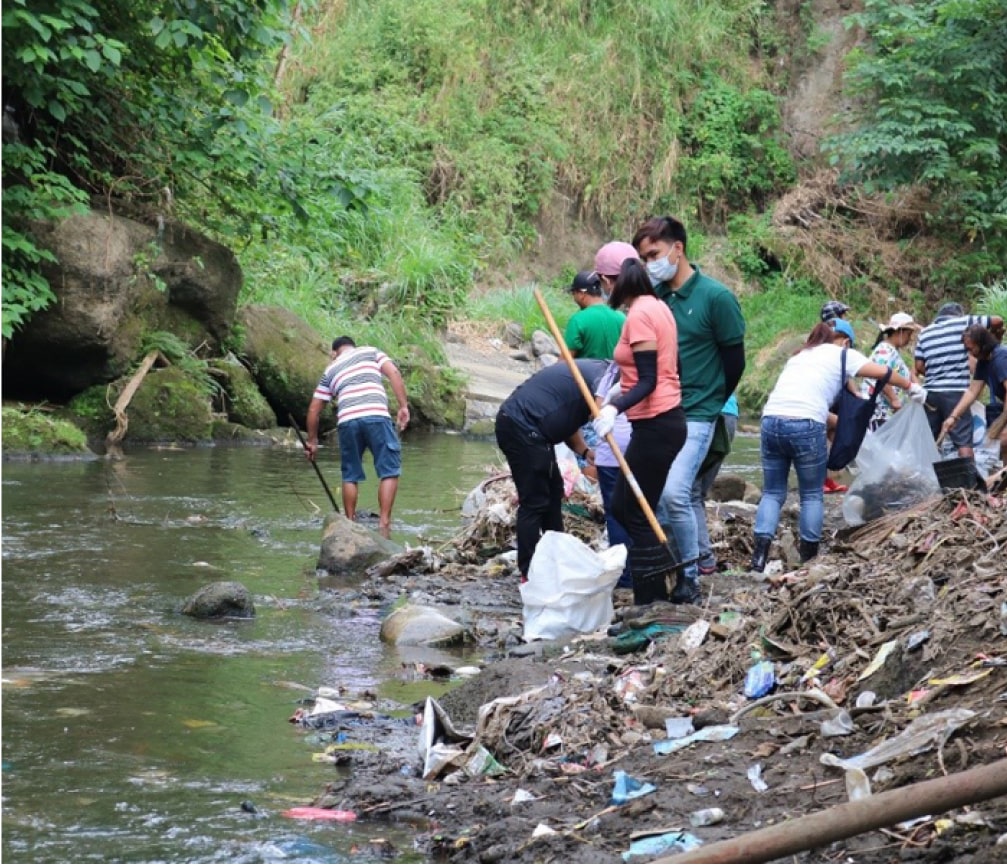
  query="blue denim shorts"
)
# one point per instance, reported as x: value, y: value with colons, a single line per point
x: 376, y: 434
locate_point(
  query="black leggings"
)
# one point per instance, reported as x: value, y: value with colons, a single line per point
x: 655, y: 443
x: 539, y: 484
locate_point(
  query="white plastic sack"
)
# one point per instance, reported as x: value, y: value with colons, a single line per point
x: 894, y: 468
x: 569, y: 587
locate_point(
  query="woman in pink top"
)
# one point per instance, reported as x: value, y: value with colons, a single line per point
x: 651, y: 396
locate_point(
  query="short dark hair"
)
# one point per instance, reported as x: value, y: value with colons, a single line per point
x: 341, y: 341
x: 661, y: 228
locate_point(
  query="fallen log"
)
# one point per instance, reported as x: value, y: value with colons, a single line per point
x: 853, y: 818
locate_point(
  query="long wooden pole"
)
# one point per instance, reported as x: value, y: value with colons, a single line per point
x: 314, y: 465
x: 853, y: 818
x: 593, y: 405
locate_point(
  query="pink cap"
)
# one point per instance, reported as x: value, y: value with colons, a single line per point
x: 608, y: 260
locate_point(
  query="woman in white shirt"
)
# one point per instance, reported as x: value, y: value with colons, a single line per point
x: 793, y: 433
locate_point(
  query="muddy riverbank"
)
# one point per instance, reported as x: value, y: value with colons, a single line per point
x: 898, y: 629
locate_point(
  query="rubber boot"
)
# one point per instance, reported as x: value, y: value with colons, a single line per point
x: 760, y: 554
x: 649, y: 566
x: 686, y: 591
x: 809, y: 549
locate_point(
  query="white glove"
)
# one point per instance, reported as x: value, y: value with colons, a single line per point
x: 605, y: 421
x: 917, y: 393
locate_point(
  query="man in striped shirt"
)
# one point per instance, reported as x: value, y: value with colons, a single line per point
x: 941, y: 358
x: 354, y: 379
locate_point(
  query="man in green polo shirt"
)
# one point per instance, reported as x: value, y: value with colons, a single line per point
x: 594, y: 330
x: 711, y: 359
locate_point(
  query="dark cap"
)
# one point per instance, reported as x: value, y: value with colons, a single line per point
x: 586, y: 280
x: 833, y: 309
x: 950, y: 309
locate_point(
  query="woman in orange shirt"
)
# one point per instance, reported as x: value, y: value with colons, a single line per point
x: 651, y: 397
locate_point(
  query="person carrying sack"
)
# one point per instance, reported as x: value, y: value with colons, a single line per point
x: 793, y: 431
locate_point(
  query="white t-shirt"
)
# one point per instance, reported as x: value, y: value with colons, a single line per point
x: 810, y: 383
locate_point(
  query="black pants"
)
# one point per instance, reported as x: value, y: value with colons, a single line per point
x: 652, y: 449
x: 539, y: 484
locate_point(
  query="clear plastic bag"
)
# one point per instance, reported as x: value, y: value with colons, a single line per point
x: 894, y: 469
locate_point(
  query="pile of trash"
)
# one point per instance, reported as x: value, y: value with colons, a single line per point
x: 489, y: 514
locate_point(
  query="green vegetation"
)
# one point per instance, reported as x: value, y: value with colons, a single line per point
x: 376, y: 163
x: 931, y: 79
x: 36, y: 431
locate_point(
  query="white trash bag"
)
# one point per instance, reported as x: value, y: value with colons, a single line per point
x: 569, y: 587
x: 894, y: 468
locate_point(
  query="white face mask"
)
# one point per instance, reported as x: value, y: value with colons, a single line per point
x: 661, y: 270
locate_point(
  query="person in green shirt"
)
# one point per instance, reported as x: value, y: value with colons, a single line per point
x: 593, y: 331
x: 711, y: 359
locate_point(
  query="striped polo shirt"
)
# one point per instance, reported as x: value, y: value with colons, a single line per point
x: 941, y: 349
x: 354, y: 379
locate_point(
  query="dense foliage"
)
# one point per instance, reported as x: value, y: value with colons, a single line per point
x: 373, y: 160
x: 932, y: 79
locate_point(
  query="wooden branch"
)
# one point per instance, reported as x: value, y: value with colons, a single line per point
x: 115, y: 436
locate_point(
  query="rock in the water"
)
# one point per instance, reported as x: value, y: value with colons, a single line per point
x: 415, y: 625
x: 349, y: 549
x: 220, y: 600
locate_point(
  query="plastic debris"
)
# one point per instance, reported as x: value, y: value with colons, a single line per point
x: 866, y: 698
x: 879, y: 659
x: 522, y: 795
x: 916, y: 640
x: 706, y: 817
x: 627, y: 787
x: 656, y: 845
x: 309, y: 813
x: 760, y: 679
x: 693, y: 636
x: 755, y: 777
x: 716, y: 733
x: 924, y: 733
x: 541, y: 830
x: 676, y: 728
x: 840, y: 724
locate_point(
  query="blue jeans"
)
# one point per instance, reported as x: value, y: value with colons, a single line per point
x: 607, y: 476
x: 682, y: 496
x: 706, y: 557
x: 801, y: 443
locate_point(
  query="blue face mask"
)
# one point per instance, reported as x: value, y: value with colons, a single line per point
x: 661, y: 270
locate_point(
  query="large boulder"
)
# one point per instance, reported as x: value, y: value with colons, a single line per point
x: 220, y: 600
x: 287, y: 358
x: 349, y: 549
x: 243, y: 402
x: 116, y: 279
x: 418, y: 625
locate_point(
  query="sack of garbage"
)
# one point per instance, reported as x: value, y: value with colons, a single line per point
x: 894, y: 469
x: 569, y: 587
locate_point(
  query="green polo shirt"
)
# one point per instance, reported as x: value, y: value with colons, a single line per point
x: 593, y: 331
x: 708, y: 317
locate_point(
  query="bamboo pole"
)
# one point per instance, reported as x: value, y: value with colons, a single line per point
x: 854, y: 818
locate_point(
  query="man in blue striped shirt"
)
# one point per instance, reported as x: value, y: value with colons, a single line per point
x: 942, y: 359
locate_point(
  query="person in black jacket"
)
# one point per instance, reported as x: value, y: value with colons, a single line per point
x: 545, y: 410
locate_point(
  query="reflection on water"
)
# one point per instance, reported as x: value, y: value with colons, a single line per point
x: 132, y: 733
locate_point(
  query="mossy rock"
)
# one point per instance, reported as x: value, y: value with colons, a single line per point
x: 168, y: 406
x: 243, y: 402
x: 36, y: 433
x: 92, y: 412
x: 436, y: 393
x: 287, y: 358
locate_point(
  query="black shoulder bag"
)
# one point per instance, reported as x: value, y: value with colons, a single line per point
x: 854, y: 415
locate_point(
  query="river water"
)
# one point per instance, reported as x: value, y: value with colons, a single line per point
x: 132, y: 733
